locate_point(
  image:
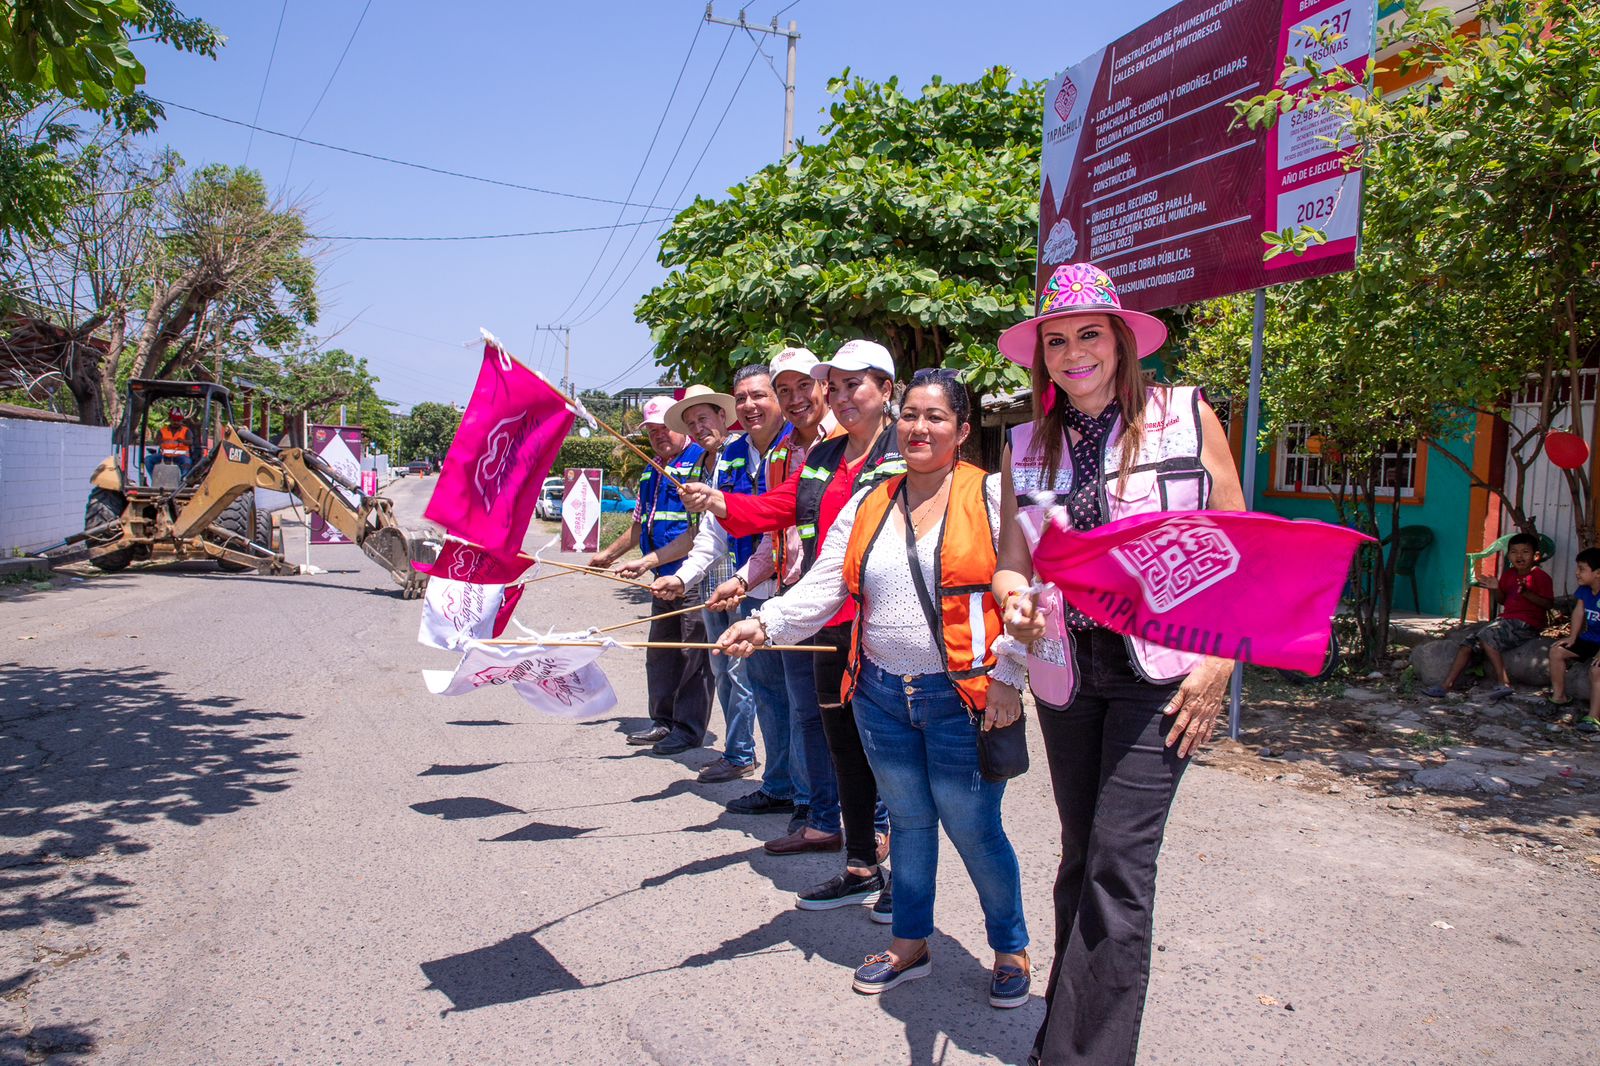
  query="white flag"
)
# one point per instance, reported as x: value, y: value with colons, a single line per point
x: 454, y: 612
x: 563, y: 681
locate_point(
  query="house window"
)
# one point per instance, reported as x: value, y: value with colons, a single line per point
x: 1303, y: 466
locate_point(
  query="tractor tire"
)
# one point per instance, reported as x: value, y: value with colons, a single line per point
x: 240, y: 520
x: 263, y: 537
x: 106, y: 506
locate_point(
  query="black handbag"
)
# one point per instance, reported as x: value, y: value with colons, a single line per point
x: 1002, y: 750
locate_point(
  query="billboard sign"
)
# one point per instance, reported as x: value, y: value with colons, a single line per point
x: 580, y: 510
x: 341, y: 448
x: 1145, y: 175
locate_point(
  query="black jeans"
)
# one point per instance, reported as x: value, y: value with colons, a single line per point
x: 1113, y: 781
x: 678, y: 681
x: 859, y: 809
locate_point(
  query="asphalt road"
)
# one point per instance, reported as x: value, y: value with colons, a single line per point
x: 238, y: 830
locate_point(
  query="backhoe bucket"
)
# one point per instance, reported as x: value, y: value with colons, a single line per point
x: 396, y: 550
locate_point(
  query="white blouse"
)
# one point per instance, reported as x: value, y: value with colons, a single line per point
x: 895, y: 635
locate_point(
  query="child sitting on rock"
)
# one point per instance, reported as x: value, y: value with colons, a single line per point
x: 1581, y: 642
x: 1524, y: 594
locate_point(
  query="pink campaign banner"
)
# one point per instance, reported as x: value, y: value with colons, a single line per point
x: 1145, y: 175
x: 580, y: 509
x: 1234, y: 584
x: 513, y: 426
x: 341, y: 447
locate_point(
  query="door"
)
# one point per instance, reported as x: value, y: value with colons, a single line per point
x: 1546, y: 499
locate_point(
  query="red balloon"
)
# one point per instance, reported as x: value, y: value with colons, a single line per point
x: 1566, y: 450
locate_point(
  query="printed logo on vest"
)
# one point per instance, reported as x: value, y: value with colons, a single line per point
x: 1178, y: 561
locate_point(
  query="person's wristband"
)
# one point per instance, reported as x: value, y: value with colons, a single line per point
x: 744, y: 586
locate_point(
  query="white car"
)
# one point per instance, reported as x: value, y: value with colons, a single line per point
x: 548, y: 506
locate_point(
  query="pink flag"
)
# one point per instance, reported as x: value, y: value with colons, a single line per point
x: 459, y: 561
x: 513, y: 426
x: 1235, y: 584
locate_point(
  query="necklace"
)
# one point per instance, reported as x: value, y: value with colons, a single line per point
x: 918, y: 515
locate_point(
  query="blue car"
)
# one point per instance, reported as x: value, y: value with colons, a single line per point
x: 614, y: 499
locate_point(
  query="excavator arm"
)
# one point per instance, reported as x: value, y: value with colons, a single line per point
x: 245, y: 462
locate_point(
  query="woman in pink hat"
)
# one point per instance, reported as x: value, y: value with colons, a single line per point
x: 1120, y: 716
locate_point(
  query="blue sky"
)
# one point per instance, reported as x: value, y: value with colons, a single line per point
x: 559, y: 96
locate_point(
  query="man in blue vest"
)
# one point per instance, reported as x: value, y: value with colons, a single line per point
x: 679, y: 684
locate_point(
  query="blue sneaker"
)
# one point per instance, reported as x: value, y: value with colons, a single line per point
x: 1008, y: 987
x: 879, y: 973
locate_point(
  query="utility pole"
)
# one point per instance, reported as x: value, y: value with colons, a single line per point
x: 566, y: 364
x: 793, y: 35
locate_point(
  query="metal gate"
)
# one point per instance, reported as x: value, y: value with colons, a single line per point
x: 1546, y: 499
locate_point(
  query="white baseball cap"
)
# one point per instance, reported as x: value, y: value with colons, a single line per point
x: 793, y: 360
x: 857, y: 355
x: 655, y: 410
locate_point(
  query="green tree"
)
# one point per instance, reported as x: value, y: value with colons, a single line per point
x: 914, y: 223
x: 1482, y: 220
x: 160, y: 271
x: 428, y: 431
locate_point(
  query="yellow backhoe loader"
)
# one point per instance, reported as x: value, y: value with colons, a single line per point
x: 191, y: 493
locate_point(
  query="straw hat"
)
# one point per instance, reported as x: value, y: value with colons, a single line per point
x: 698, y: 394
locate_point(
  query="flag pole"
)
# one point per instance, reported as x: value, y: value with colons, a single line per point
x: 637, y: 451
x: 651, y: 618
x: 596, y: 571
x: 1247, y: 476
x: 645, y: 644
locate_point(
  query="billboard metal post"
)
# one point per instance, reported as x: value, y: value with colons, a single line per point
x: 1247, y: 475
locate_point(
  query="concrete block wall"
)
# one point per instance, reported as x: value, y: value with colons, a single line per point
x: 44, y: 479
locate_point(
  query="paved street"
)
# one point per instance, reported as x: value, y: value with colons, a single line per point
x: 238, y: 830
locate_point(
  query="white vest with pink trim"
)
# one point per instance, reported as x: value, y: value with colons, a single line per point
x: 1167, y: 475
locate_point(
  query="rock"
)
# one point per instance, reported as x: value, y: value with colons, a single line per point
x: 1361, y: 695
x: 1446, y: 779
x: 1528, y: 664
x: 1385, y: 710
x: 1501, y: 735
x: 1493, y: 784
x: 1397, y: 664
x: 1390, y: 762
x: 1292, y: 779
x: 1334, y: 790
x: 1487, y: 756
x: 1354, y: 761
x: 1431, y: 660
x: 1520, y: 778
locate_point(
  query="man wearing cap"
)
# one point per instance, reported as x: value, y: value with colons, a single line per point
x: 785, y: 682
x: 713, y: 558
x: 678, y: 682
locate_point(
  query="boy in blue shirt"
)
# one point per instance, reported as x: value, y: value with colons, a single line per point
x: 1581, y: 642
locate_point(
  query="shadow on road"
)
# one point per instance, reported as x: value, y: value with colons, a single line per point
x: 85, y: 755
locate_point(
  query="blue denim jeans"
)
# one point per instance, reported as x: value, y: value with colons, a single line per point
x: 783, y: 777
x: 733, y: 691
x: 923, y: 748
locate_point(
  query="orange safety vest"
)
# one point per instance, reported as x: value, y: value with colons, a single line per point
x: 969, y: 616
x: 174, y: 443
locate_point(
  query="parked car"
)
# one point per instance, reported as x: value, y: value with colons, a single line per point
x: 548, y: 506
x: 614, y: 499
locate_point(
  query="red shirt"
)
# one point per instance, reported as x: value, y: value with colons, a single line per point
x: 774, y: 509
x: 1514, y: 605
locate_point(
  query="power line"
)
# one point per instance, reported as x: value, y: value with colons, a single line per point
x: 768, y: 58
x: 326, y: 86
x: 499, y: 236
x: 647, y: 354
x: 665, y: 173
x: 679, y: 198
x: 271, y: 56
x: 660, y: 124
x: 401, y: 162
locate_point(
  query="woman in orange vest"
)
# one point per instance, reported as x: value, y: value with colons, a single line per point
x: 917, y: 554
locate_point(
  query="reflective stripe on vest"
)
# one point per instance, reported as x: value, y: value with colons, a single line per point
x: 969, y: 617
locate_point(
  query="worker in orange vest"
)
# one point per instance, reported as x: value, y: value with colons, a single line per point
x: 173, y: 445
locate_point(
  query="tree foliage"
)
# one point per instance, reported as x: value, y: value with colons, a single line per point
x: 914, y: 223
x: 427, y: 432
x: 160, y: 271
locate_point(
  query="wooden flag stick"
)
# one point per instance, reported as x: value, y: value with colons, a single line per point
x: 626, y: 443
x: 596, y: 571
x: 646, y: 644
x: 652, y: 618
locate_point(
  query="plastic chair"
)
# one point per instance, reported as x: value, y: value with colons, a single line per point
x: 1414, y: 540
x: 1547, y: 548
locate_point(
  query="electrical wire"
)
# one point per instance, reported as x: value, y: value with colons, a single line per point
x: 660, y: 124
x: 401, y: 162
x: 498, y: 236
x: 262, y: 95
x: 326, y: 86
x: 647, y: 354
x: 666, y: 173
x: 677, y: 199
x: 768, y: 58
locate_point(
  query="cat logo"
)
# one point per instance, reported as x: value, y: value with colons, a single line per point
x: 235, y: 454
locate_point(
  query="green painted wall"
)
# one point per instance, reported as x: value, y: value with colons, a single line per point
x: 1446, y: 497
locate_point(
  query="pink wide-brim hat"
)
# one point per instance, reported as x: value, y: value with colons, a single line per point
x: 1079, y: 289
